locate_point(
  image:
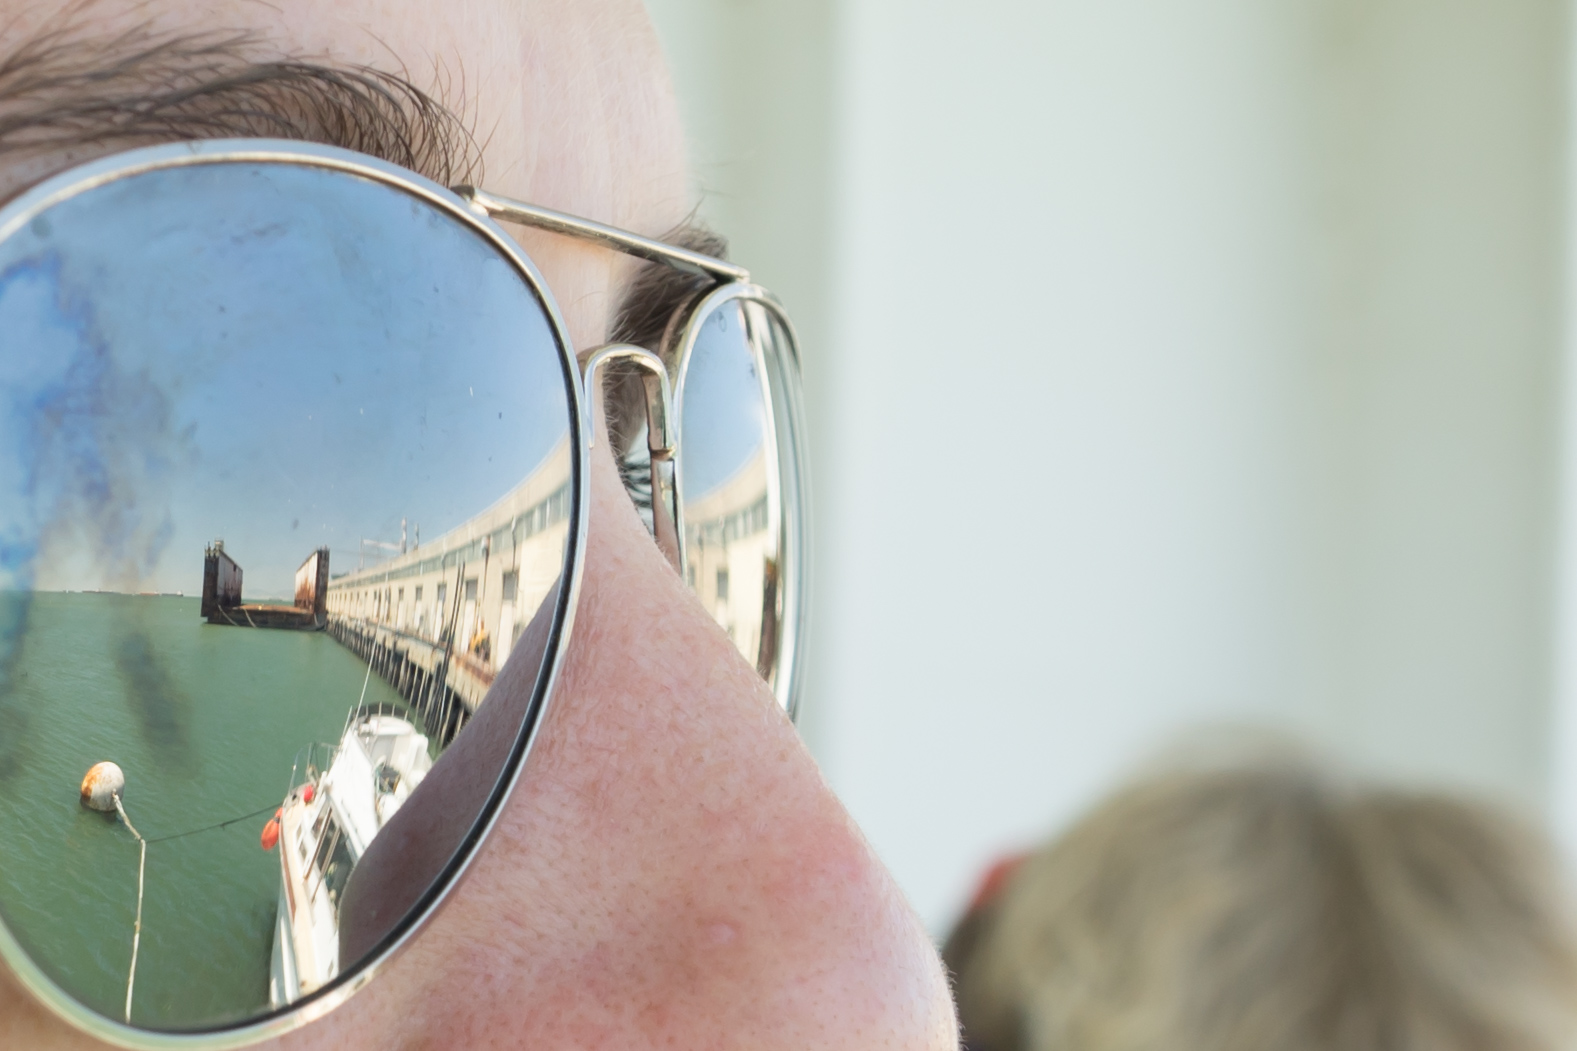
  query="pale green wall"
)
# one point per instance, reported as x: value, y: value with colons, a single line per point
x: 756, y: 81
x: 1169, y: 364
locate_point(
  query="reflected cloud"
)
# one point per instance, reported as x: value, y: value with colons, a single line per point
x: 84, y: 467
x: 91, y: 445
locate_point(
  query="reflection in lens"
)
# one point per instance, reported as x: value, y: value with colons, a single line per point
x: 727, y: 474
x: 285, y: 478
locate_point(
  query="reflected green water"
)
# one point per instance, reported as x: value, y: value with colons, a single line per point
x: 206, y: 722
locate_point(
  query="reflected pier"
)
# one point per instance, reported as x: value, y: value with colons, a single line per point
x: 438, y: 620
x: 442, y: 687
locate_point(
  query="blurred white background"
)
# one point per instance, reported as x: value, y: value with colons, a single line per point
x: 1168, y: 365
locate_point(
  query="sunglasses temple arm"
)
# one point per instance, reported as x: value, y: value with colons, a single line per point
x: 508, y: 210
x: 662, y: 437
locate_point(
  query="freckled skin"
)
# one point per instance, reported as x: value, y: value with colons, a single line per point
x: 672, y: 870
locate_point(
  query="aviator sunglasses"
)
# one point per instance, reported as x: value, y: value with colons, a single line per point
x: 293, y: 460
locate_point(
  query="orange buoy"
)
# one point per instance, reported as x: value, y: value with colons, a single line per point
x: 103, y: 783
x: 271, y: 834
x: 307, y: 794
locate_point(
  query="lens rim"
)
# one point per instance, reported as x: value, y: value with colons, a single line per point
x: 778, y: 365
x: 21, y: 210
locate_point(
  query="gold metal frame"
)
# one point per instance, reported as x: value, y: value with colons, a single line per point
x: 788, y: 505
x: 27, y: 206
x: 778, y: 365
x: 662, y: 439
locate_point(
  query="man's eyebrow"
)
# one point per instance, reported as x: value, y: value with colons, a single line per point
x: 73, y: 93
x: 654, y: 292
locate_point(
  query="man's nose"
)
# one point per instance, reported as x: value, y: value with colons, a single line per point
x: 686, y: 872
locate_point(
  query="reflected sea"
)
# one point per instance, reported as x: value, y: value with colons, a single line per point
x: 206, y: 722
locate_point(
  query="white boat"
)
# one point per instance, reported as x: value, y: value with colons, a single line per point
x: 325, y: 825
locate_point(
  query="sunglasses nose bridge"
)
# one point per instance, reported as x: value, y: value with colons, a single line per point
x: 661, y: 435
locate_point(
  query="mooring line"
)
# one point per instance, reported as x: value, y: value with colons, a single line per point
x: 142, y: 865
x: 136, y: 931
x: 217, y: 824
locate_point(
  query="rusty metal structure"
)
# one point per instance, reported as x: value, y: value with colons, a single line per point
x: 221, y: 581
x: 222, y: 603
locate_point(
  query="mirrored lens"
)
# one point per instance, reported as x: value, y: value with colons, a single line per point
x: 738, y: 476
x: 285, y: 480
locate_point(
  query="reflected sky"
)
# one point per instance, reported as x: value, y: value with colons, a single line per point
x: 722, y: 412
x: 297, y: 359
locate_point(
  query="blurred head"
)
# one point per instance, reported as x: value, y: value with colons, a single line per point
x: 671, y: 870
x: 1256, y: 908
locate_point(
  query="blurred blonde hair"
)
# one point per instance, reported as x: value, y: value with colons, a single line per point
x: 1258, y: 908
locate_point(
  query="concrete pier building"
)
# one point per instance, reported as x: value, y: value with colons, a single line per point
x: 732, y: 551
x: 437, y: 621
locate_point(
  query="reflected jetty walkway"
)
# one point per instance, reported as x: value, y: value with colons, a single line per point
x: 435, y: 621
x: 443, y: 687
x: 438, y: 620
